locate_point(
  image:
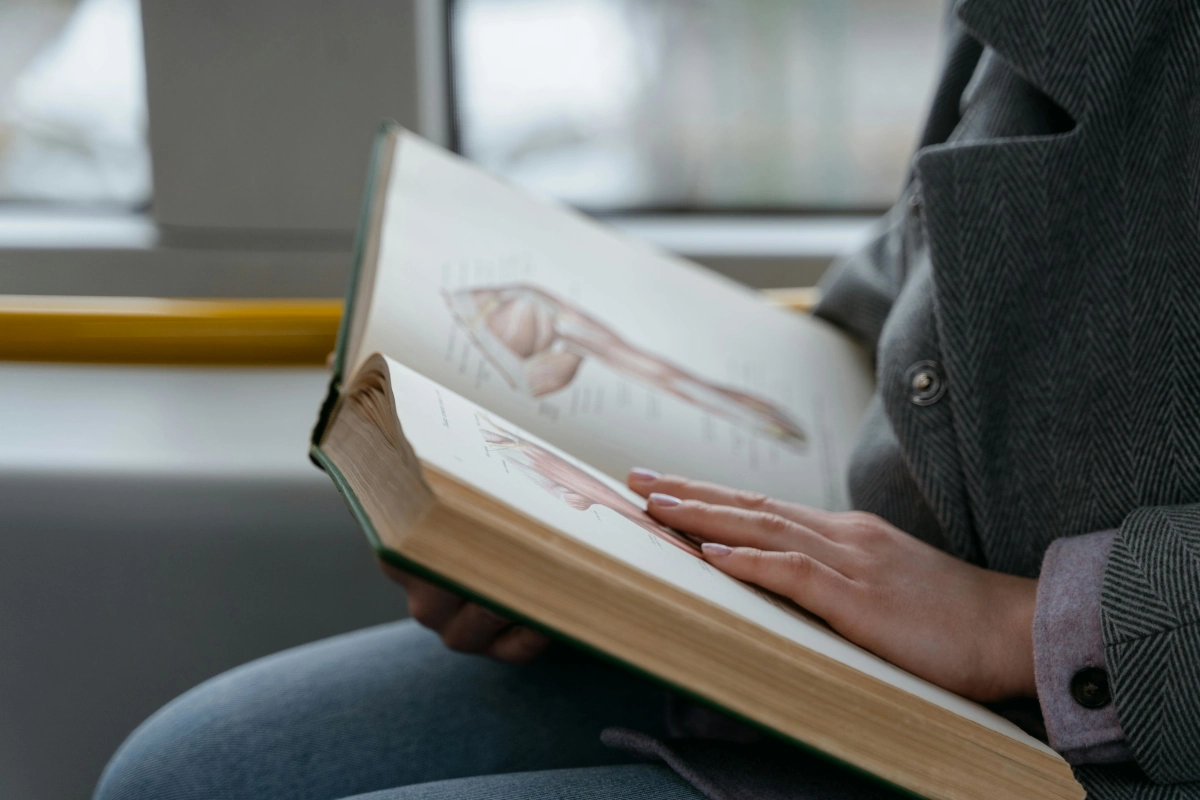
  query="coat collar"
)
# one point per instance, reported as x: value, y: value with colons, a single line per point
x: 1083, y: 54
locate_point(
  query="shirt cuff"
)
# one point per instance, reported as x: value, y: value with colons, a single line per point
x: 1068, y: 653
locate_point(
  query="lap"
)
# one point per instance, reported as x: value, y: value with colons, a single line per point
x: 381, y: 708
x: 618, y: 782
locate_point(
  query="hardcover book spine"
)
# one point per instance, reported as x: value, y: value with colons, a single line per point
x: 384, y: 139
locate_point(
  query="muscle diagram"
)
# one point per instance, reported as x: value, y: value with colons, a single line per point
x: 537, y: 342
x: 567, y: 482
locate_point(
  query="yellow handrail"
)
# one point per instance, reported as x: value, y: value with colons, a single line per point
x: 137, y: 330
x: 134, y: 330
x: 801, y: 299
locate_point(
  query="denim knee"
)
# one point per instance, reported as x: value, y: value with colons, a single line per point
x: 258, y: 728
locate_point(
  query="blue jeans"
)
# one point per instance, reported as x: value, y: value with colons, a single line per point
x: 389, y: 714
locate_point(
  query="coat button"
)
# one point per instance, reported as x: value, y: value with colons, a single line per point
x: 1089, y: 687
x: 915, y: 204
x: 925, y: 383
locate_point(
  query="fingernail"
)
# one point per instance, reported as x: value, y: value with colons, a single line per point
x: 664, y: 500
x: 643, y: 475
x: 714, y: 549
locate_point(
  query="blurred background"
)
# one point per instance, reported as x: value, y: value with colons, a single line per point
x: 611, y: 105
x: 159, y: 521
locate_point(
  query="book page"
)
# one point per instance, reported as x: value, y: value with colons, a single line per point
x: 499, y: 459
x: 614, y: 352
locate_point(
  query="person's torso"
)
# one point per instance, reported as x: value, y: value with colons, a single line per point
x: 1039, y: 371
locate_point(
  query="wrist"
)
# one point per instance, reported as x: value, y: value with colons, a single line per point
x: 1012, y: 638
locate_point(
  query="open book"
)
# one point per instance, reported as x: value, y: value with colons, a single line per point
x: 503, y: 362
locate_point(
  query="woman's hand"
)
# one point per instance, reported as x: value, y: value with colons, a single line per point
x: 962, y: 627
x: 464, y: 626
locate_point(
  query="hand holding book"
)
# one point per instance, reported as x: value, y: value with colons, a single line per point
x: 464, y: 626
x: 967, y: 629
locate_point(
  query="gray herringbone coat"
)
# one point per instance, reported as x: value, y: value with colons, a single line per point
x: 1047, y: 258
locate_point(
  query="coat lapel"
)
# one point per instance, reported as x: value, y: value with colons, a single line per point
x: 1062, y: 270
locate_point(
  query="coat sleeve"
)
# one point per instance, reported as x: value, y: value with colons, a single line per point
x: 858, y: 290
x: 1150, y: 614
x: 1068, y: 647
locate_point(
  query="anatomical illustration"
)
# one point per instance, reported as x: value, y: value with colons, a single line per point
x: 537, y: 342
x: 567, y: 482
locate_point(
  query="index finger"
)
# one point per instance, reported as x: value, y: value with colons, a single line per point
x: 646, y: 482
